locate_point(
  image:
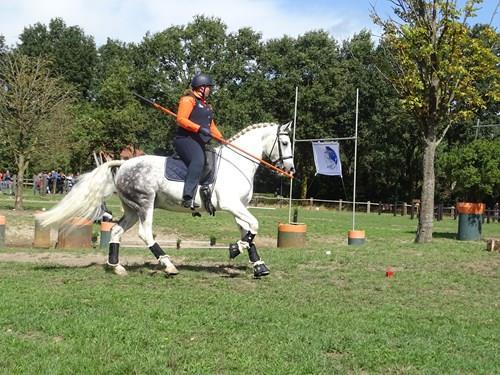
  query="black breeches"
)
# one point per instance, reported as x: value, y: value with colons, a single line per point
x: 193, y: 154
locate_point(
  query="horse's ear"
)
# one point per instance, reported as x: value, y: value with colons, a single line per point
x: 287, y: 127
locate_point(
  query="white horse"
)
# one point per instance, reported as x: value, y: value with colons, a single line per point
x: 141, y: 186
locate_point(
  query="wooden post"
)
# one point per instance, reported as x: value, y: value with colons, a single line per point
x: 380, y: 208
x: 368, y: 207
x: 405, y: 209
x: 340, y: 205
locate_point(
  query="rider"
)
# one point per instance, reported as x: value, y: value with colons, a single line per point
x: 196, y: 119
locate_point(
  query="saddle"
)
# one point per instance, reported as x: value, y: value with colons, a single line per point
x: 176, y: 170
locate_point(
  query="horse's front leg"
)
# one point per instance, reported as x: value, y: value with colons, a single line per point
x: 248, y: 226
x: 146, y: 234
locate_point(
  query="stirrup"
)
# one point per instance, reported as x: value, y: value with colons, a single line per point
x: 190, y: 203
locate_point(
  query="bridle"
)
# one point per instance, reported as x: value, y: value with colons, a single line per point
x: 279, y: 162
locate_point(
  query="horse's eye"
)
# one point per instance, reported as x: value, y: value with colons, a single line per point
x: 284, y: 143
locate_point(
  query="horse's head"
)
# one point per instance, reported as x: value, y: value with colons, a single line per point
x: 278, y: 148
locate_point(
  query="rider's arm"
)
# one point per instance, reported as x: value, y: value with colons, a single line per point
x: 215, y: 132
x: 186, y: 105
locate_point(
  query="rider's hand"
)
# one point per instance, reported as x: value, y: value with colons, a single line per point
x: 204, y: 131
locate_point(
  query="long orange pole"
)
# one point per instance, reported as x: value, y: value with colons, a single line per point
x: 219, y: 139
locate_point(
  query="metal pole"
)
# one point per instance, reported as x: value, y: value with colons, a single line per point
x: 355, y: 159
x: 293, y: 153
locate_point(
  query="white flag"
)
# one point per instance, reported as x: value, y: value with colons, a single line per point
x: 327, y: 158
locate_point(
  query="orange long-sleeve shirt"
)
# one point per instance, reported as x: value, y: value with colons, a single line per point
x: 186, y: 105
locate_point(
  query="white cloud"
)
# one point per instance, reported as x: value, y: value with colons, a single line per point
x: 129, y: 20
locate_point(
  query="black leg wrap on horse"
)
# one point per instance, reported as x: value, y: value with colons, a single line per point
x: 252, y: 253
x: 234, y: 250
x: 114, y: 250
x: 248, y: 237
x: 156, y: 250
x: 260, y: 270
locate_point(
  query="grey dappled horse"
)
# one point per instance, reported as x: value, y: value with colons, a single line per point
x: 141, y: 186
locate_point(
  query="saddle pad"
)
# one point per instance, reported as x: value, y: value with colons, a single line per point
x: 176, y: 170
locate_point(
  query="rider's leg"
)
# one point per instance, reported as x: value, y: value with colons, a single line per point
x: 193, y: 154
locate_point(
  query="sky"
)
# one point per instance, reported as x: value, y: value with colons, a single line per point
x: 130, y: 20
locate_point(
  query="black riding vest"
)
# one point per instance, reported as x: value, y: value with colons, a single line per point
x: 202, y: 115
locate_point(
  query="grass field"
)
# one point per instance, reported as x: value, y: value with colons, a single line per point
x: 325, y: 309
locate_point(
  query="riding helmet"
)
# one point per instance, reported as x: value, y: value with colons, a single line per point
x: 201, y: 80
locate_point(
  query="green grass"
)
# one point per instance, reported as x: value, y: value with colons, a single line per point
x: 317, y: 313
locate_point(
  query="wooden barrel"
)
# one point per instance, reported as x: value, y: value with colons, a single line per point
x: 292, y: 235
x: 470, y: 216
x: 2, y: 230
x: 105, y: 234
x: 356, y: 237
x: 75, y: 233
x: 42, y: 236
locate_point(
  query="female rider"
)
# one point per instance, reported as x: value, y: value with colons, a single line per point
x: 196, y: 119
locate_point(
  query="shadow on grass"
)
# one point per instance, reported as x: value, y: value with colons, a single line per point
x: 448, y: 235
x: 154, y: 268
x: 56, y: 267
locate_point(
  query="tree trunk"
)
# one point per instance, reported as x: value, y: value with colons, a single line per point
x: 22, y: 165
x: 303, y: 187
x: 426, y: 217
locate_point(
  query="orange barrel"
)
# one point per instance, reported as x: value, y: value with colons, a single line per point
x: 105, y: 233
x: 75, y: 233
x: 292, y: 235
x: 42, y: 236
x: 356, y: 237
x: 470, y: 216
x: 2, y: 230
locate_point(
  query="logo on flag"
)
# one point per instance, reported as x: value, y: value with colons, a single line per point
x: 327, y: 158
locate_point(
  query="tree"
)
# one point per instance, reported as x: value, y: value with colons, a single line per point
x: 33, y: 111
x: 72, y: 53
x: 438, y: 67
x: 473, y: 171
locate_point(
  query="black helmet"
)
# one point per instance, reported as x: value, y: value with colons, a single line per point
x: 201, y: 80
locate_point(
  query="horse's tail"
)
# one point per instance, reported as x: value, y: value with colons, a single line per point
x: 85, y: 198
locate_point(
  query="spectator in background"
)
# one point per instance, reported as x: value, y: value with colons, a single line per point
x: 36, y: 183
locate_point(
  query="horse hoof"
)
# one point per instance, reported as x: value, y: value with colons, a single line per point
x: 234, y: 250
x: 117, y: 269
x: 260, y: 269
x: 170, y: 269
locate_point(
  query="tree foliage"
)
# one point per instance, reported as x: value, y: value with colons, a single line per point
x: 33, y: 111
x: 426, y: 82
x: 72, y: 53
x: 472, y: 171
x: 442, y: 73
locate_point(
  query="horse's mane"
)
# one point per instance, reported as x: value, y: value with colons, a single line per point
x: 251, y: 127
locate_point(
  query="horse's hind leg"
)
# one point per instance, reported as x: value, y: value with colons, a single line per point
x: 126, y: 222
x: 146, y: 234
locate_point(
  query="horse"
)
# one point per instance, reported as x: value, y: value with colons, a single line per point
x: 141, y: 186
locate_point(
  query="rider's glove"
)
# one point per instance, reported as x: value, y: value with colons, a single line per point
x: 204, y: 131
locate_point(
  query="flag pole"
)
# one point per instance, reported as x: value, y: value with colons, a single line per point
x: 293, y: 153
x: 355, y: 160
